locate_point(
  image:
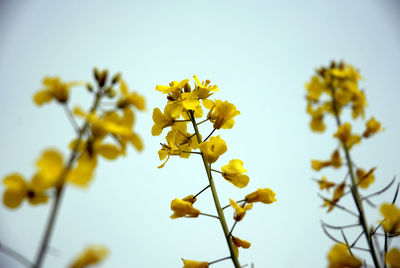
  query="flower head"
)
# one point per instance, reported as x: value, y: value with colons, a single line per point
x: 340, y: 257
x: 391, y: 221
x: 240, y: 211
x: 344, y: 135
x: 372, y: 127
x: 266, y: 196
x: 337, y: 194
x: 54, y: 88
x: 364, y: 179
x: 202, y: 89
x: 213, y: 149
x: 233, y: 172
x: 183, y: 208
x: 91, y: 255
x: 194, y: 264
x: 239, y: 243
x: 221, y: 113
x: 130, y: 98
x: 325, y: 184
x: 393, y: 258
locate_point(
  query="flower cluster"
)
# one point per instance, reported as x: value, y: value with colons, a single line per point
x: 330, y: 91
x: 104, y: 132
x: 185, y: 105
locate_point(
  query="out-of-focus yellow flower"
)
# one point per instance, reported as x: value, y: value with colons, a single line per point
x: 221, y: 113
x: 335, y: 161
x: 325, y: 184
x: 83, y: 172
x: 359, y: 104
x: 315, y: 88
x: 161, y: 120
x: 91, y: 255
x: 317, y: 118
x: 17, y: 189
x: 213, y: 148
x: 194, y: 264
x: 372, y: 127
x: 240, y: 211
x: 344, y: 135
x: 337, y: 194
x: 364, y: 179
x: 266, y: 196
x: 132, y: 98
x: 233, y: 172
x: 50, y: 166
x: 239, y: 243
x: 339, y: 257
x: 183, y: 208
x: 202, y: 89
x: 393, y: 258
x: 54, y: 88
x: 391, y: 215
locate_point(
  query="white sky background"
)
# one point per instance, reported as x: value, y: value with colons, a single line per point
x: 260, y: 54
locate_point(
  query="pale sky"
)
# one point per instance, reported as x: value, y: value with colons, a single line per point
x: 260, y: 54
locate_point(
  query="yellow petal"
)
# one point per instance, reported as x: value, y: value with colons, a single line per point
x: 108, y: 151
x: 12, y: 199
x: 50, y: 165
x: 42, y: 97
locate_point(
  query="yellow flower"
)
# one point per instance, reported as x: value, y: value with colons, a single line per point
x: 391, y: 214
x: 339, y: 257
x: 54, y: 88
x: 202, y: 89
x: 221, y: 113
x: 364, y: 179
x: 173, y: 87
x: 91, y: 255
x: 233, y: 172
x: 317, y: 118
x: 325, y: 184
x: 17, y: 189
x: 266, y: 196
x: 194, y: 264
x: 315, y: 88
x: 337, y: 194
x: 372, y: 127
x: 161, y: 120
x: 393, y: 258
x: 335, y: 161
x: 132, y: 98
x: 213, y: 148
x: 83, y: 172
x: 50, y: 166
x: 239, y: 243
x: 183, y: 208
x: 240, y: 211
x: 344, y: 135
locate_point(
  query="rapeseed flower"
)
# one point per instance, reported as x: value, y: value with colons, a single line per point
x: 372, y: 127
x: 183, y: 208
x: 194, y: 264
x: 325, y: 184
x: 54, y: 88
x: 339, y: 257
x: 233, y: 172
x: 161, y: 120
x: 240, y: 211
x: 130, y: 98
x: 345, y: 136
x: 221, y: 113
x: 17, y: 189
x: 266, y: 196
x: 91, y: 255
x: 393, y: 258
x: 391, y: 215
x: 213, y: 149
x: 364, y: 179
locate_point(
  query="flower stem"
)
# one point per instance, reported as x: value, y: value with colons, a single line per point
x: 60, y: 187
x: 220, y: 212
x: 354, y: 188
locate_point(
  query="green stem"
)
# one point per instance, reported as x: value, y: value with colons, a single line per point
x: 220, y: 212
x: 60, y: 188
x: 354, y: 189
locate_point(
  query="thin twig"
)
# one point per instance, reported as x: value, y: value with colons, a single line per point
x: 205, y: 188
x: 341, y: 227
x: 15, y: 255
x: 338, y: 206
x: 397, y: 192
x: 209, y: 215
x: 222, y: 259
x: 380, y: 191
x: 209, y: 135
x: 71, y: 118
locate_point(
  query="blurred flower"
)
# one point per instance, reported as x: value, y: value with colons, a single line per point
x: 391, y: 215
x: 339, y: 257
x: 372, y: 127
x: 337, y: 194
x: 364, y: 179
x: 91, y: 255
x: 344, y: 135
x: 132, y: 98
x: 239, y: 243
x: 54, y: 88
x: 325, y: 184
x: 393, y: 258
x: 17, y: 189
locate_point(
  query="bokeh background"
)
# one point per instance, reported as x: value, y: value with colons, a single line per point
x: 260, y: 54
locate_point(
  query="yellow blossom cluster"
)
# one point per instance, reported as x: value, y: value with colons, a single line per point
x: 185, y: 105
x: 105, y: 130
